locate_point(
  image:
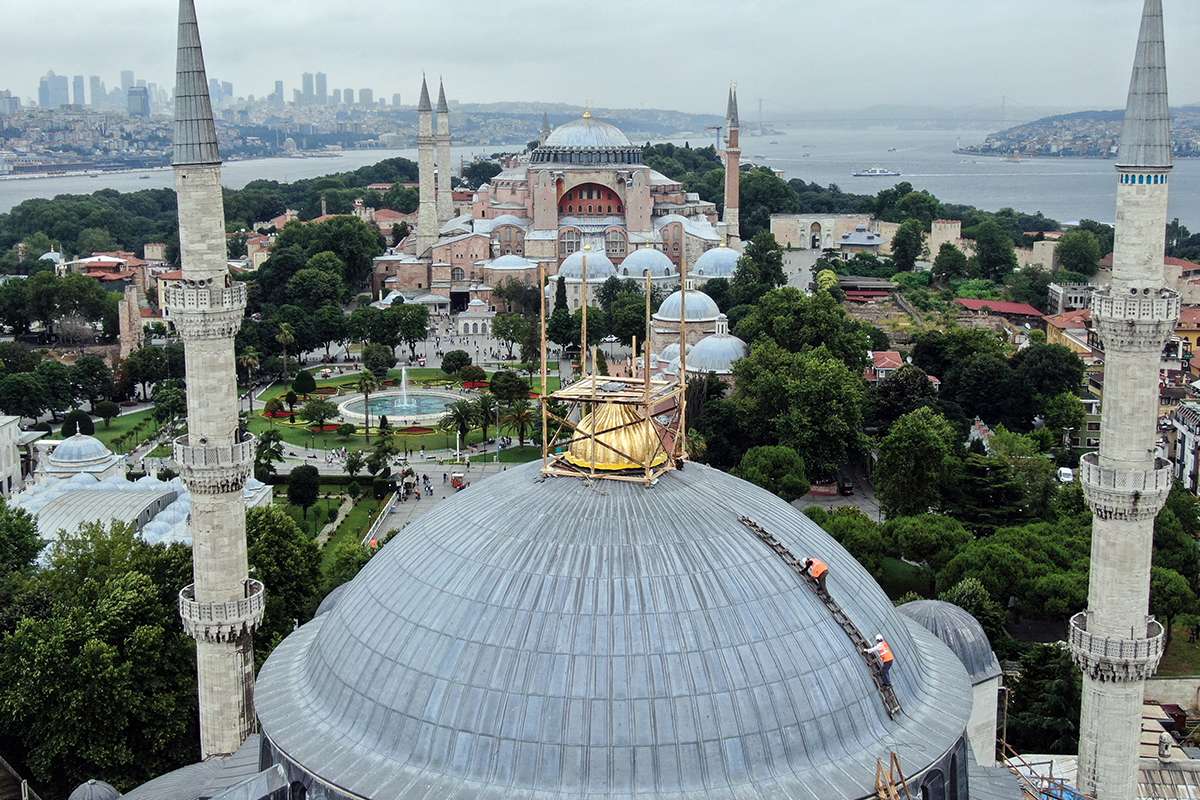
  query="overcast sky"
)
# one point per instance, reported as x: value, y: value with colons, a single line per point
x: 676, y: 54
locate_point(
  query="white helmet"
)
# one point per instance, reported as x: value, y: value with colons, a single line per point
x: 879, y: 637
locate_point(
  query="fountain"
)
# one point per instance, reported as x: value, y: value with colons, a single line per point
x: 404, y: 387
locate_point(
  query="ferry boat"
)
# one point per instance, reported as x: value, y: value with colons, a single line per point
x: 876, y: 172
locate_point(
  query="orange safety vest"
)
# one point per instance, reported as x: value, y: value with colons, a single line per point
x: 817, y: 568
x: 885, y: 653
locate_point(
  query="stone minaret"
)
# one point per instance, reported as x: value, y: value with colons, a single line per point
x: 445, y: 192
x: 223, y: 606
x: 733, y: 161
x: 545, y: 132
x: 1115, y: 642
x: 427, y: 216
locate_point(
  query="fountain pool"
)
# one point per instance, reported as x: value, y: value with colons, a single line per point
x: 399, y: 407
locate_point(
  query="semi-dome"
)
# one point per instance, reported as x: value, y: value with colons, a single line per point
x: 598, y: 266
x: 511, y: 261
x: 538, y: 637
x: 718, y: 262
x: 93, y: 789
x: 960, y: 631
x: 699, y: 307
x: 587, y: 131
x: 716, y: 353
x: 647, y: 260
x: 79, y: 450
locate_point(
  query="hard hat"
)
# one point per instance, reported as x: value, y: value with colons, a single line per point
x: 879, y: 637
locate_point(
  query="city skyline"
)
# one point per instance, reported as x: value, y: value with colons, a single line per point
x: 921, y: 53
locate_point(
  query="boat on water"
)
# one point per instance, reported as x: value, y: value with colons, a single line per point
x: 143, y: 177
x: 876, y: 172
x: 1014, y: 158
x: 891, y: 149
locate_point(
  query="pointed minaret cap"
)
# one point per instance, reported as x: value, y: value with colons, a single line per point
x: 424, y: 104
x: 1146, y: 134
x: 195, y: 133
x: 731, y: 113
x: 442, y: 108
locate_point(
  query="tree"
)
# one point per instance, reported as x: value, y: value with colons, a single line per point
x: 303, y: 487
x: 985, y: 494
x: 146, y: 365
x: 313, y: 288
x: 291, y: 398
x: 930, y: 539
x: 346, y: 560
x: 1032, y: 470
x: 355, y: 463
x: 248, y: 361
x: 318, y: 411
x: 1062, y: 412
x: 107, y: 411
x: 412, y: 326
x: 304, y: 383
x: 561, y: 328
x: 776, y: 468
x: 512, y: 329
x: 1078, y: 251
x: 971, y: 596
x: 560, y: 294
x: 329, y: 326
x: 285, y: 335
x: 904, y: 390
x: 908, y: 245
x: 346, y: 430
x: 798, y: 323
x: 460, y: 417
x: 78, y: 422
x: 856, y: 532
x: 1046, y: 370
x: 92, y: 379
x: 518, y: 415
x: 472, y: 374
x: 987, y: 387
x: 21, y: 395
x: 19, y: 543
x: 367, y: 384
x: 288, y: 562
x: 485, y: 411
x: 995, y: 256
x: 170, y: 402
x: 759, y: 270
x: 950, y: 263
x: 1170, y: 596
x: 454, y: 361
x: 913, y: 461
x: 60, y: 392
x: 1043, y: 714
x: 378, y: 359
x: 479, y: 172
x: 17, y: 357
x: 508, y: 387
x: 94, y: 240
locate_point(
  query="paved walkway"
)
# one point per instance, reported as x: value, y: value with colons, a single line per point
x: 400, y: 513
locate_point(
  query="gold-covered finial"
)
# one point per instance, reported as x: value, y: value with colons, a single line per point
x: 625, y: 440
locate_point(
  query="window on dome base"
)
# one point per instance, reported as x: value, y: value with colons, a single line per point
x: 615, y: 245
x: 568, y: 242
x: 582, y: 201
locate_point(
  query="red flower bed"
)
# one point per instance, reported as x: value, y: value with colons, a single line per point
x: 328, y: 427
x: 475, y: 384
x: 326, y: 390
x: 276, y: 414
x: 416, y: 430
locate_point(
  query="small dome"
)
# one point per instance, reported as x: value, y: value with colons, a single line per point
x: 716, y: 353
x: 647, y: 259
x: 509, y: 219
x: 513, y: 262
x: 700, y: 307
x: 78, y: 450
x: 719, y: 262
x: 587, y: 132
x: 672, y: 351
x: 961, y: 632
x: 637, y: 440
x: 94, y: 790
x: 598, y: 266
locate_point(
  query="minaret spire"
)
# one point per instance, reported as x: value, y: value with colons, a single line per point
x: 733, y: 172
x: 427, y: 211
x: 423, y: 104
x: 223, y: 605
x: 1115, y: 642
x: 445, y: 189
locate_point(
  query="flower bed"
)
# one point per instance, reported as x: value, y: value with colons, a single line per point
x: 416, y: 430
x: 276, y: 414
x: 475, y: 384
x: 326, y: 391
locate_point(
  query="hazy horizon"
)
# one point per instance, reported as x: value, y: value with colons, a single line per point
x: 1068, y: 55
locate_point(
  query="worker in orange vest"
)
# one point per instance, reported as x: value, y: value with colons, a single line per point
x: 818, y: 570
x: 883, y: 652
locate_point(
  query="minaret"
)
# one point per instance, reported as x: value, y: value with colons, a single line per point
x: 733, y: 161
x: 445, y: 191
x: 427, y: 216
x: 545, y: 134
x: 223, y: 606
x: 1115, y: 642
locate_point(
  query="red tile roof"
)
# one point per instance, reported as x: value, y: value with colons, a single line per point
x: 1183, y: 264
x: 886, y: 359
x: 1190, y: 316
x: 1069, y: 320
x: 149, y: 313
x: 1001, y: 307
x: 172, y: 275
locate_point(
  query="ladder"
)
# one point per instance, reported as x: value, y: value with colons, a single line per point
x: 889, y: 785
x: 886, y: 693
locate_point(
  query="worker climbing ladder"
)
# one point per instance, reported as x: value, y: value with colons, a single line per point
x: 890, y: 702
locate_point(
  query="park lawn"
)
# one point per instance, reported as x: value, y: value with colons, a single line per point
x: 301, y: 437
x: 899, y: 577
x: 1182, y: 657
x: 319, y: 513
x: 352, y: 528
x: 124, y: 424
x: 416, y: 375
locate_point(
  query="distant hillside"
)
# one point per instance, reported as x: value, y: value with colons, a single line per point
x: 1085, y: 134
x: 638, y: 123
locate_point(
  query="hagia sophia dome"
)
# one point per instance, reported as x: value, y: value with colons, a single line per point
x: 542, y: 637
x: 587, y: 131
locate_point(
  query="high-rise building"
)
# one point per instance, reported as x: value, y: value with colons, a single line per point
x: 1115, y: 642
x: 53, y: 91
x: 366, y: 97
x: 445, y: 192
x: 9, y: 103
x: 126, y: 80
x: 97, y: 90
x: 733, y: 173
x: 226, y: 91
x: 214, y: 91
x: 224, y: 605
x: 78, y: 97
x: 277, y: 96
x: 306, y: 81
x: 348, y: 96
x: 395, y: 100
x: 138, y: 101
x: 322, y: 89
x: 336, y: 98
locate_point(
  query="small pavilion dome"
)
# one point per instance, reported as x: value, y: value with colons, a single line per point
x: 716, y: 353
x: 599, y: 268
x: 671, y: 351
x: 511, y: 261
x: 79, y: 450
x: 960, y: 631
x: 719, y: 262
x: 93, y: 789
x: 699, y: 307
x: 646, y: 260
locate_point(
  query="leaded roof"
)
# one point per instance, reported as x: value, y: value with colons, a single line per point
x: 195, y: 132
x: 1146, y: 133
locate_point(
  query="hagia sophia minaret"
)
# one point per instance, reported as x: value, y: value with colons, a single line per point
x: 223, y: 606
x: 445, y: 191
x: 733, y: 161
x: 427, y: 212
x: 1115, y: 642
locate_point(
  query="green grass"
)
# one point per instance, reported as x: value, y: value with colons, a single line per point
x: 899, y: 577
x: 123, y: 425
x: 352, y: 528
x: 300, y: 437
x: 318, y: 513
x: 1182, y: 657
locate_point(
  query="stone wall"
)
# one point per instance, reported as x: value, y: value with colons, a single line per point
x: 1183, y: 692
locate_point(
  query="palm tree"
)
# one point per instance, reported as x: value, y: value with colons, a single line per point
x: 248, y: 362
x: 285, y: 336
x: 519, y: 416
x: 268, y: 451
x: 367, y: 384
x: 460, y: 416
x: 485, y: 411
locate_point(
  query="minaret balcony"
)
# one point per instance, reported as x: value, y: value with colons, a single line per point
x: 209, y: 468
x: 1124, y: 494
x: 205, y: 312
x: 224, y: 621
x: 1135, y: 322
x: 1116, y: 659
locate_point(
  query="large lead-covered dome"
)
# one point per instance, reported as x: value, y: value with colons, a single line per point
x: 538, y: 638
x: 587, y: 132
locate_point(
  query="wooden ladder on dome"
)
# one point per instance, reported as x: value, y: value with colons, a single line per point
x: 886, y: 693
x: 890, y: 784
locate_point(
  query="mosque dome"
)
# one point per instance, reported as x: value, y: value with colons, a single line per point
x: 960, y: 631
x: 94, y: 790
x: 716, y: 353
x: 671, y: 351
x: 598, y: 266
x: 546, y: 637
x: 718, y: 262
x: 511, y: 261
x: 700, y: 307
x: 79, y: 450
x: 647, y: 260
x: 587, y: 131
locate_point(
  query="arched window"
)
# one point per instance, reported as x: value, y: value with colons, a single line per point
x: 568, y: 242
x: 457, y: 274
x: 934, y: 786
x: 615, y: 245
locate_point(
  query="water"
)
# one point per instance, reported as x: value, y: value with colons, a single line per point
x: 404, y: 387
x: 1067, y: 189
x: 403, y: 405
